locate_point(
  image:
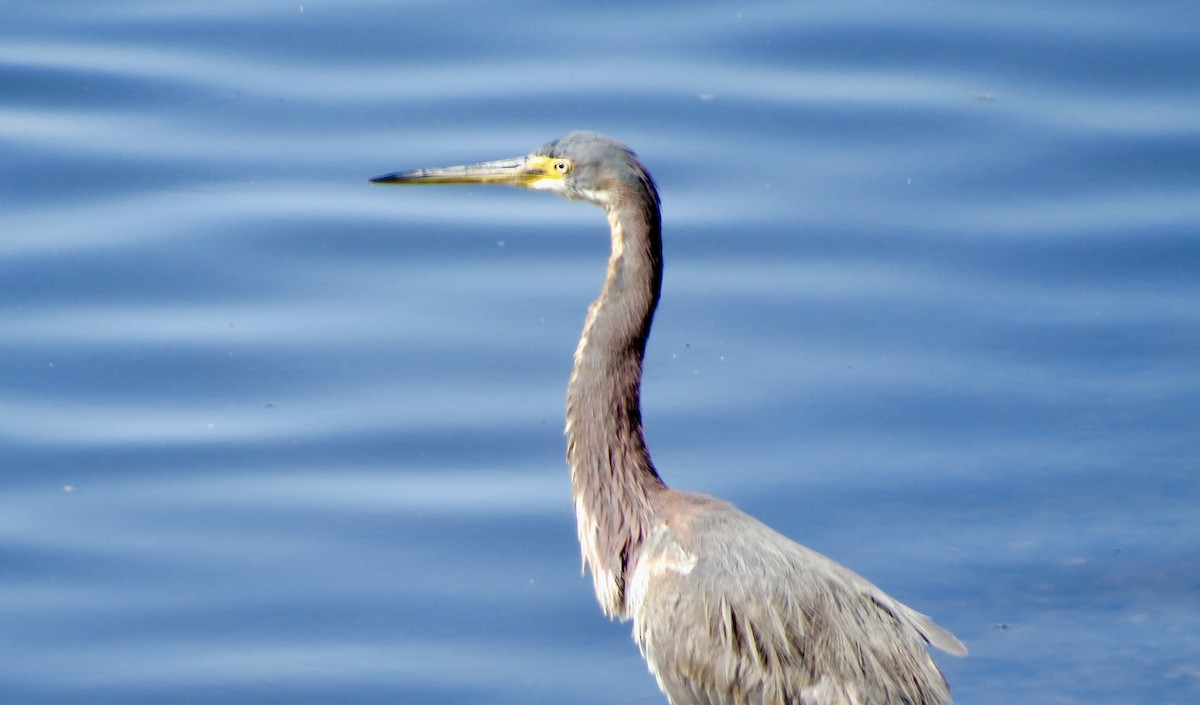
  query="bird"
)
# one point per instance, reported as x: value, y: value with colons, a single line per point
x: 725, y: 610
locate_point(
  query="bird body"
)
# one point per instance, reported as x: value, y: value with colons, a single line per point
x: 725, y: 610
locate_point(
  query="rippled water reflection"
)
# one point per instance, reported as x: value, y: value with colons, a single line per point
x: 271, y: 434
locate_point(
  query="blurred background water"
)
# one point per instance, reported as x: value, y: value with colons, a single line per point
x: 268, y: 434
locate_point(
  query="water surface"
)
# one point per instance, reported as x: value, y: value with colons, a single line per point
x: 268, y: 433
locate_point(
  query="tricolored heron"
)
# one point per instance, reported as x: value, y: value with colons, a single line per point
x: 725, y: 610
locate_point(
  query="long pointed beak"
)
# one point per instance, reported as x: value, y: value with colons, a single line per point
x: 523, y: 172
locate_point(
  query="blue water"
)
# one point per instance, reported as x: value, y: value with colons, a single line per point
x: 268, y: 434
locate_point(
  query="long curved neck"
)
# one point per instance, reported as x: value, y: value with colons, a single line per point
x: 612, y: 476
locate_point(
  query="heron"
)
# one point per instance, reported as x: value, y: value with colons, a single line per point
x: 725, y: 610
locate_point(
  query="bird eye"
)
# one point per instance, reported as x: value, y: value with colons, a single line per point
x: 562, y: 166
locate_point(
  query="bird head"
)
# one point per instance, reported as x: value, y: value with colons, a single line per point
x: 582, y: 165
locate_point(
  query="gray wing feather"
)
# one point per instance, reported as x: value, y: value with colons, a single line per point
x: 729, y: 612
